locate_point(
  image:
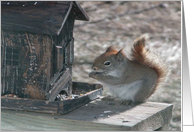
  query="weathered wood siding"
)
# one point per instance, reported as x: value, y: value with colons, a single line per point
x: 26, y: 65
x: 64, y: 51
x: 64, y: 42
x: 30, y: 61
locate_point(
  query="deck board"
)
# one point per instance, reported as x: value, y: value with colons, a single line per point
x: 98, y: 115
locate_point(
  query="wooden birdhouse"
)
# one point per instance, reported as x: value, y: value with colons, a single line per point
x: 37, y: 48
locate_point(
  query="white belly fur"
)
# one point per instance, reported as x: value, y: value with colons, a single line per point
x: 125, y: 91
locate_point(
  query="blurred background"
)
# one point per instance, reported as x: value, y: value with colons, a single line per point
x: 118, y: 23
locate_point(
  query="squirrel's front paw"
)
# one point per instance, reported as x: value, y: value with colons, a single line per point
x: 93, y: 74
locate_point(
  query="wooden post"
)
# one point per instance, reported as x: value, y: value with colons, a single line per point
x: 59, y: 57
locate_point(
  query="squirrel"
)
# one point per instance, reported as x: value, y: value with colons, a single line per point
x: 134, y: 79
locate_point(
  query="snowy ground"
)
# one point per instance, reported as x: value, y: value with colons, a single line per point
x: 119, y: 23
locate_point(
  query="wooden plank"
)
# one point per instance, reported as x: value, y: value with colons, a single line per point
x: 71, y: 58
x: 85, y: 86
x: 143, y: 117
x: 16, y: 120
x: 29, y: 105
x: 69, y: 105
x: 39, y: 70
x: 59, y: 86
x: 146, y: 116
x: 59, y: 58
x: 80, y: 14
x: 55, y: 78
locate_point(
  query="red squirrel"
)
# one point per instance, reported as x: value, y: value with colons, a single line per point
x: 134, y: 79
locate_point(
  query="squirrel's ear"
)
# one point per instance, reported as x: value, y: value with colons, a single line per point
x: 120, y: 55
x: 110, y: 49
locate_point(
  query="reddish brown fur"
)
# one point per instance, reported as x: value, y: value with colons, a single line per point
x: 109, y: 52
x: 142, y: 55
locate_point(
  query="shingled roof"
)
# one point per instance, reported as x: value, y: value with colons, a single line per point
x: 45, y: 17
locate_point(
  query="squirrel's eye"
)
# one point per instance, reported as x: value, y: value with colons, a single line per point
x: 107, y: 63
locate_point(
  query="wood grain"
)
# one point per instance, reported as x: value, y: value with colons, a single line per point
x: 60, y: 85
x: 145, y: 117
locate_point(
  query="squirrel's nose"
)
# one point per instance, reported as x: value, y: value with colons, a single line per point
x: 94, y: 68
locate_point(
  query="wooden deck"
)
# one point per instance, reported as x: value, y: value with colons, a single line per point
x: 98, y: 115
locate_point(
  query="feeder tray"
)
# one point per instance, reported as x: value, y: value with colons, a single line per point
x: 85, y: 92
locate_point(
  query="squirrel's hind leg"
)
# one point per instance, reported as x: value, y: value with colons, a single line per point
x: 130, y: 103
x: 126, y: 102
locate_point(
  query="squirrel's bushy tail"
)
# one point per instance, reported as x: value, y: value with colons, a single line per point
x: 143, y: 56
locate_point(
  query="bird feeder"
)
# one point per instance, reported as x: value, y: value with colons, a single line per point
x: 37, y: 53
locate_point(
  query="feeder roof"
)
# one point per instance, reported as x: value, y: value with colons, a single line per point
x: 44, y: 17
